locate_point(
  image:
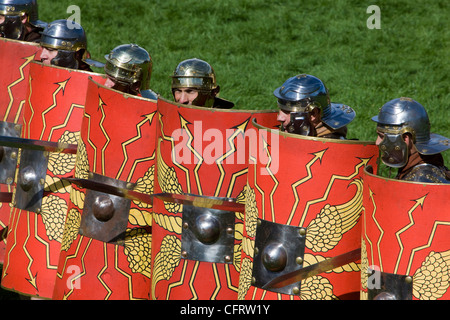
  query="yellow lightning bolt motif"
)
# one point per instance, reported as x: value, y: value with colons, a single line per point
x: 253, y: 160
x: 73, y: 106
x: 317, y: 156
x: 269, y: 162
x: 45, y: 243
x: 61, y: 86
x: 147, y: 118
x: 362, y: 163
x: 81, y: 274
x: 105, y: 267
x: 9, y: 88
x: 217, y: 281
x: 88, y: 116
x: 13, y: 222
x: 419, y: 202
x: 230, y: 285
x: 30, y: 105
x: 175, y: 284
x: 125, y: 274
x: 233, y: 180
x: 32, y: 279
x: 379, y: 228
x: 184, y: 126
x: 191, y: 281
x: 430, y: 239
x: 101, y: 105
x: 240, y: 129
x: 174, y: 160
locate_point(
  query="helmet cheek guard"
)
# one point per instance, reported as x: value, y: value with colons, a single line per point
x: 394, y: 150
x: 12, y: 28
x: 300, y: 116
x: 65, y: 59
x: 14, y: 12
x: 204, y: 99
x: 299, y: 124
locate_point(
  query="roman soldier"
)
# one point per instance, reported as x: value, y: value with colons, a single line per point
x: 129, y: 69
x: 19, y: 20
x: 305, y: 109
x: 194, y: 83
x: 405, y: 142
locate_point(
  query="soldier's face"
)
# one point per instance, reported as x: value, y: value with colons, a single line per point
x: 284, y: 117
x: 111, y: 83
x: 185, y: 95
x: 2, y: 18
x: 120, y: 86
x: 47, y: 55
x: 380, y: 137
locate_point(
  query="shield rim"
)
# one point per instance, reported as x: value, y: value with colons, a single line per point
x: 393, y: 180
x: 125, y: 95
x: 297, y: 136
x: 251, y: 111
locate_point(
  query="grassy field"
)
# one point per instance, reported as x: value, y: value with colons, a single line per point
x: 255, y: 45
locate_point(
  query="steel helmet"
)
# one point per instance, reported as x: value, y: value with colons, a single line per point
x: 68, y: 37
x: 304, y: 92
x: 129, y: 64
x: 405, y: 115
x: 194, y: 73
x: 14, y: 10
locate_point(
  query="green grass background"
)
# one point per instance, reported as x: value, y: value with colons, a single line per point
x: 255, y: 45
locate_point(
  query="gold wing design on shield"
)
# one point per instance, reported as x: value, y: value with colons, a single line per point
x: 166, y: 260
x: 432, y: 279
x: 168, y: 180
x: 138, y: 250
x: 54, y: 207
x: 327, y: 229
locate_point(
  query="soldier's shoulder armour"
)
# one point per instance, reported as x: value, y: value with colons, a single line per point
x: 149, y: 94
x: 427, y: 173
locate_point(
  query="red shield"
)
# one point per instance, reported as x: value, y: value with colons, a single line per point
x: 204, y: 152
x: 118, y: 142
x: 53, y: 113
x: 313, y: 197
x: 405, y: 233
x: 15, y: 57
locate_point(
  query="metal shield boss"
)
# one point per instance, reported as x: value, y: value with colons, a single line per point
x: 47, y: 150
x: 204, y: 152
x: 405, y: 248
x: 106, y: 247
x: 302, y: 230
x: 15, y: 57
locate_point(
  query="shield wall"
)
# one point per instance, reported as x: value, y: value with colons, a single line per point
x: 52, y: 116
x: 405, y: 240
x: 303, y: 214
x: 200, y: 151
x: 109, y: 257
x: 15, y: 58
